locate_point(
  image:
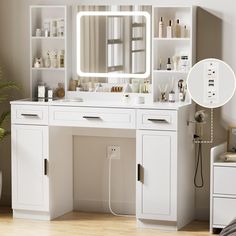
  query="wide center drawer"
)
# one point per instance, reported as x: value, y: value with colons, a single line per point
x: 157, y: 119
x: 224, y: 178
x: 92, y: 117
x: 29, y: 114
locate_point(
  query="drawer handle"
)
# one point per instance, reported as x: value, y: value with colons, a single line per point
x: 158, y: 120
x: 92, y: 117
x: 45, y: 166
x: 30, y: 115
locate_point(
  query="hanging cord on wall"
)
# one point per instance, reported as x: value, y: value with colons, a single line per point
x: 109, y: 193
x: 199, y: 168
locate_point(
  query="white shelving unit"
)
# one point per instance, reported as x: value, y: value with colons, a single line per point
x: 164, y: 48
x: 40, y: 45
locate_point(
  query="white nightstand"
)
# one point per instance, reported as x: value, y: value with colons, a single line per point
x: 223, y: 189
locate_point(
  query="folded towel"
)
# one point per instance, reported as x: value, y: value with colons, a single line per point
x: 230, y: 229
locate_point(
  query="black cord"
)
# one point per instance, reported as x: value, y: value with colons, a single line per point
x: 199, y: 160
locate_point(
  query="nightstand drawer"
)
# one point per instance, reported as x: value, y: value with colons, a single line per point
x: 224, y: 180
x: 224, y: 211
x: 92, y: 117
x: 29, y: 114
x: 157, y: 119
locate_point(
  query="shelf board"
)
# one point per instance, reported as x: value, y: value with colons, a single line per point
x: 171, y: 39
x: 47, y: 38
x: 48, y: 69
x: 170, y: 72
x: 227, y: 164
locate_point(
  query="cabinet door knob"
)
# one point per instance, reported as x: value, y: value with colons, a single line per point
x: 139, y: 172
x: 45, y: 166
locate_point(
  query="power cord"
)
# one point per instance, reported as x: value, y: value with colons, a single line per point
x: 109, y: 193
x: 199, y: 161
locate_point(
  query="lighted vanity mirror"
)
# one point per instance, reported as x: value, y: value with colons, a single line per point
x: 113, y: 43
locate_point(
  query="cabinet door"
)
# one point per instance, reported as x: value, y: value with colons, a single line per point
x: 157, y: 175
x: 30, y: 183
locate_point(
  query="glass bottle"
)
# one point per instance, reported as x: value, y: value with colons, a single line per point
x: 62, y: 59
x: 47, y: 61
x: 60, y: 91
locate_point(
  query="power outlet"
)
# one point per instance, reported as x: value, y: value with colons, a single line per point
x: 113, y: 152
x: 211, y: 73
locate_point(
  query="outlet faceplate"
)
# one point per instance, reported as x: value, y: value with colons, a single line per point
x: 211, y: 82
x: 113, y: 152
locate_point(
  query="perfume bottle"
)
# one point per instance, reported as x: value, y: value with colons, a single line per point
x: 60, y: 91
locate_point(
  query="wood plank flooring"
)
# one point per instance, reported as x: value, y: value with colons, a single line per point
x: 88, y: 224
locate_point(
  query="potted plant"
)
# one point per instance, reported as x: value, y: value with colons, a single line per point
x: 5, y: 86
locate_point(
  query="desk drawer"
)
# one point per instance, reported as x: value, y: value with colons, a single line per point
x: 224, y: 180
x: 157, y: 119
x: 224, y: 211
x: 29, y: 114
x: 92, y: 117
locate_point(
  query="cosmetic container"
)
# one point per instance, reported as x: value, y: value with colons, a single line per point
x: 168, y: 65
x: 169, y: 30
x: 161, y: 25
x: 47, y: 61
x: 177, y: 29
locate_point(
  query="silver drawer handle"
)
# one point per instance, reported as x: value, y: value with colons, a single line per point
x: 159, y: 120
x: 92, y: 117
x: 30, y: 115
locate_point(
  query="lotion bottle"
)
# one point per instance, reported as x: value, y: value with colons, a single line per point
x: 160, y: 35
x: 169, y: 30
x: 177, y: 29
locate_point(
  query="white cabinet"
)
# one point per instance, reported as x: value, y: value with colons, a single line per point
x: 156, y: 186
x: 223, y: 192
x: 30, y: 183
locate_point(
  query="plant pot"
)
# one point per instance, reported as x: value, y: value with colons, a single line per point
x: 0, y: 184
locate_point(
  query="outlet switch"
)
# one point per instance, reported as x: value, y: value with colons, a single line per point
x: 113, y: 152
x: 211, y: 82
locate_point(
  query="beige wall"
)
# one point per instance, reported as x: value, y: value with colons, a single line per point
x: 216, y: 38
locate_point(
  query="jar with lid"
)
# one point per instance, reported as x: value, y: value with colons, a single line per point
x: 184, y: 63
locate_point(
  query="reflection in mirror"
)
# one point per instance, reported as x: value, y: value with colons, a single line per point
x: 113, y: 41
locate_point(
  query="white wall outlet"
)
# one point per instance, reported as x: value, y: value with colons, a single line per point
x: 211, y: 82
x: 113, y: 152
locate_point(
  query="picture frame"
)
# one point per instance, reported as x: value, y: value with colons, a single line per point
x: 231, y: 141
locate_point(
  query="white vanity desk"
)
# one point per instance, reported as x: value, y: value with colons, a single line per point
x: 42, y: 157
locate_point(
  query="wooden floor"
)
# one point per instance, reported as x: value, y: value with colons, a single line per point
x: 88, y: 224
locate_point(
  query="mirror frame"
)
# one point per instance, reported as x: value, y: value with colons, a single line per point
x: 115, y: 13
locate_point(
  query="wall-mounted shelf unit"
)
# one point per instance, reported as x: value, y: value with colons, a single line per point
x: 55, y: 40
x: 164, y: 48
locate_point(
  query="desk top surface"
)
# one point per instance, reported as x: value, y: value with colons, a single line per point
x: 103, y: 104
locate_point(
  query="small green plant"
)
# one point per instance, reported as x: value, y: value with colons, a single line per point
x: 5, y: 87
